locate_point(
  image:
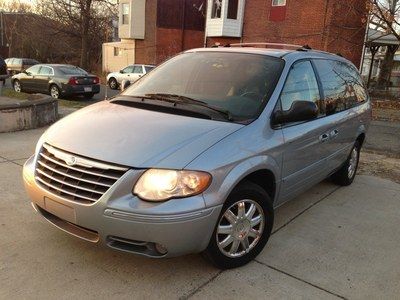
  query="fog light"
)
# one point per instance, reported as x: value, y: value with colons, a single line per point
x: 161, y: 249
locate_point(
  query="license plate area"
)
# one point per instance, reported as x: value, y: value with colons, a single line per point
x: 60, y: 210
x: 87, y: 88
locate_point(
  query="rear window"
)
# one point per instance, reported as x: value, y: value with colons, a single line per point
x: 342, y: 85
x: 148, y: 69
x: 72, y: 70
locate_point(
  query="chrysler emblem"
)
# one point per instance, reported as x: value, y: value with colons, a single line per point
x: 71, y: 160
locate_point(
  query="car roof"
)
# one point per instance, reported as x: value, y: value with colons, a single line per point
x: 289, y: 54
x: 56, y: 65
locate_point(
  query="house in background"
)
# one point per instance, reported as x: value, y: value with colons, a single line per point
x: 333, y: 26
x: 154, y: 30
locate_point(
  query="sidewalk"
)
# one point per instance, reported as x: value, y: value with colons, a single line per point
x: 329, y: 243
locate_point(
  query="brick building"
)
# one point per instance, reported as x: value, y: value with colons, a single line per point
x: 154, y: 30
x: 163, y: 28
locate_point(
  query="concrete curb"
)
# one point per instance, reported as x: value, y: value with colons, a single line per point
x: 41, y: 111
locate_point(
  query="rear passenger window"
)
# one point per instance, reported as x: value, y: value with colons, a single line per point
x: 138, y: 70
x: 46, y: 71
x: 301, y: 85
x: 342, y: 85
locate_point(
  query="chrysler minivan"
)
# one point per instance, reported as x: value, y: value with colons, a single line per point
x: 195, y: 156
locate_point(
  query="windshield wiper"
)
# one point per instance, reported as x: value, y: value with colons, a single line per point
x: 177, y: 99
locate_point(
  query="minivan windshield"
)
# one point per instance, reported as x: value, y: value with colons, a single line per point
x: 239, y: 84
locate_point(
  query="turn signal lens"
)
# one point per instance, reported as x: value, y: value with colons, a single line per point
x: 161, y: 185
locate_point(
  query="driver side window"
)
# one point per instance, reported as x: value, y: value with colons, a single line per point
x: 301, y: 85
x: 33, y: 70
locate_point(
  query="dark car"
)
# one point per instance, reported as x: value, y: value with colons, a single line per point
x: 3, y: 71
x: 18, y: 65
x: 57, y: 80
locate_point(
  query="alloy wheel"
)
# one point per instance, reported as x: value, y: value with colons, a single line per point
x: 17, y: 86
x: 240, y: 228
x: 54, y: 92
x: 353, y: 163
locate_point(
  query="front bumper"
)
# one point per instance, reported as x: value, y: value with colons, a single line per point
x: 124, y: 222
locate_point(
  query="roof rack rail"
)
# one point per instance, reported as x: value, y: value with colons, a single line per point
x: 271, y: 46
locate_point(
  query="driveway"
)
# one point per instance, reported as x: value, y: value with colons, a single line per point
x: 329, y: 243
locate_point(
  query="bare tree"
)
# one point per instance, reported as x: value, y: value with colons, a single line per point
x: 85, y: 20
x: 385, y: 16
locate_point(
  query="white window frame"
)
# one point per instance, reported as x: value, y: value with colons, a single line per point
x: 124, y: 5
x: 278, y: 3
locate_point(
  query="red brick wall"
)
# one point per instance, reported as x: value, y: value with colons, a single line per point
x: 329, y: 25
x: 173, y: 41
x: 145, y: 50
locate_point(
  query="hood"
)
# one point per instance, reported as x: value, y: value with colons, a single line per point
x: 136, y: 137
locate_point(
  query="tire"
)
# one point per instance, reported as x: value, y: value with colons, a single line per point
x: 246, y: 195
x: 112, y: 83
x: 17, y: 86
x: 55, y: 92
x: 346, y: 174
x: 88, y: 96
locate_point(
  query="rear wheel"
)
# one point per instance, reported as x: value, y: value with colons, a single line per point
x: 346, y: 174
x: 112, y: 83
x: 17, y: 86
x: 243, y: 228
x: 55, y: 91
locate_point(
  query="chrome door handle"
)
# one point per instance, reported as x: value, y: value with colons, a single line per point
x: 324, y: 138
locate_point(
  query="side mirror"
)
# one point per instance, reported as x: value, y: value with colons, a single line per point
x: 125, y: 84
x: 27, y: 73
x: 298, y: 112
x: 121, y: 71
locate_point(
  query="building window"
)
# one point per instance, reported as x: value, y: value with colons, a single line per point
x: 233, y: 6
x: 278, y: 2
x: 216, y: 9
x: 125, y: 13
x: 117, y: 51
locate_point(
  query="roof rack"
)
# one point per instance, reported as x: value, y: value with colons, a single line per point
x: 272, y: 46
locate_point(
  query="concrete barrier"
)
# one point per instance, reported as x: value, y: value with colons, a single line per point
x: 41, y: 111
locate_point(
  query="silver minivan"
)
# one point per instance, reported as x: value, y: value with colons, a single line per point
x: 195, y: 156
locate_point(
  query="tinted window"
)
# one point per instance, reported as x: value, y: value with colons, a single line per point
x: 236, y: 82
x: 138, y: 69
x: 301, y: 85
x: 71, y: 70
x: 342, y: 85
x: 30, y: 62
x: 33, y: 70
x: 46, y: 71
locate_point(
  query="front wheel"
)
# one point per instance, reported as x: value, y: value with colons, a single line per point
x: 346, y: 174
x: 243, y: 228
x: 17, y: 86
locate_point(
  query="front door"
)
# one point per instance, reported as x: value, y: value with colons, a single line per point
x: 28, y: 80
x: 305, y: 151
x: 43, y: 78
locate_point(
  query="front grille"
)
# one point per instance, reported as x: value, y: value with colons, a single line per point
x: 74, y: 177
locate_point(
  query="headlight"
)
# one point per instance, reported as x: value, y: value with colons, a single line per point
x: 161, y: 185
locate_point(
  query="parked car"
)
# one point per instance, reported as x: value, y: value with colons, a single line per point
x: 57, y: 80
x: 196, y: 155
x: 3, y: 71
x: 18, y: 65
x: 130, y: 73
